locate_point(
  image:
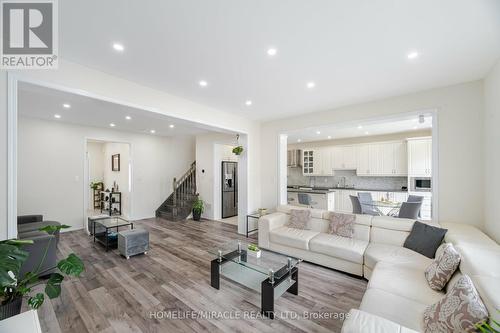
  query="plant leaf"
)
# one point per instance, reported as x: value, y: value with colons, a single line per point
x: 51, y: 229
x: 72, y: 265
x: 11, y: 259
x: 17, y: 242
x: 53, y: 287
x: 36, y: 301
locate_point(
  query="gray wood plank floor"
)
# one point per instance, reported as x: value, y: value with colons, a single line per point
x: 136, y: 295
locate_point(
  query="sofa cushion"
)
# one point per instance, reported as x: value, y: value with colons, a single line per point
x: 467, y: 234
x: 292, y: 237
x: 316, y: 213
x: 424, y: 239
x: 399, y: 309
x: 394, y: 254
x: 489, y: 289
x: 479, y: 261
x: 404, y: 280
x: 364, y: 322
x: 443, y: 267
x: 299, y: 218
x: 459, y: 311
x: 341, y: 224
x: 350, y: 249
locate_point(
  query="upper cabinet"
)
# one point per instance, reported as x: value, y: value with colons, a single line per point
x: 382, y: 159
x: 420, y: 157
x: 344, y: 158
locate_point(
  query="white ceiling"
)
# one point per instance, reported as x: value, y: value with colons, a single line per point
x: 353, y: 50
x: 371, y: 128
x: 44, y: 103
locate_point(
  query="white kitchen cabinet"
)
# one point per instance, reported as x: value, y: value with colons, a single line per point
x: 363, y: 160
x: 317, y: 162
x: 309, y: 160
x: 420, y: 157
x: 382, y: 159
x: 343, y: 202
x: 400, y: 158
x: 292, y: 198
x: 326, y: 161
x: 344, y: 157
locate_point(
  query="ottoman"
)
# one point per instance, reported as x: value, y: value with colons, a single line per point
x: 132, y: 242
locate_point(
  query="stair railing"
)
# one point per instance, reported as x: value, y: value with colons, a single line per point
x: 186, y: 185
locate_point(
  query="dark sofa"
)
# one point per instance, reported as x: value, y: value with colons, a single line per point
x: 28, y: 228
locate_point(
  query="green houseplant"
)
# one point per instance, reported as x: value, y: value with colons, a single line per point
x: 14, y: 287
x: 198, y: 207
x: 238, y: 150
x: 95, y: 185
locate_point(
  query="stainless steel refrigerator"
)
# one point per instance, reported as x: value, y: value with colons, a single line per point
x: 229, y: 189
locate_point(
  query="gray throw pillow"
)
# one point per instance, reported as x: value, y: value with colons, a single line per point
x: 425, y: 239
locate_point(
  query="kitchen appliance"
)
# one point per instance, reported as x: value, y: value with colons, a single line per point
x: 229, y: 189
x: 420, y: 184
x: 294, y: 158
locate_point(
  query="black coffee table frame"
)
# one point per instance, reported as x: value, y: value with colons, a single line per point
x: 103, y: 236
x: 267, y: 286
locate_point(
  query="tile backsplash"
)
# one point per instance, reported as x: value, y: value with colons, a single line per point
x: 295, y: 177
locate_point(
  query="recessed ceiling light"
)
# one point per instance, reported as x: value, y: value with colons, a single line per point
x: 413, y: 55
x: 152, y: 131
x: 299, y: 140
x: 311, y: 85
x: 171, y: 125
x: 272, y: 52
x: 360, y: 127
x: 66, y: 105
x: 203, y: 83
x: 366, y: 133
x: 318, y: 132
x: 112, y: 125
x: 128, y: 117
x: 329, y: 137
x: 414, y: 127
x: 248, y: 103
x: 57, y: 116
x: 118, y: 47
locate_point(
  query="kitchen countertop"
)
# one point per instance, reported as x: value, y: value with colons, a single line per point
x: 323, y: 190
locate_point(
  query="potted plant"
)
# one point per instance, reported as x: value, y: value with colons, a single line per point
x: 238, y: 150
x: 254, y: 250
x: 198, y: 207
x: 13, y: 287
x: 95, y: 185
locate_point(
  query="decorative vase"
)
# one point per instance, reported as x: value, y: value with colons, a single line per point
x: 196, y: 215
x: 11, y: 309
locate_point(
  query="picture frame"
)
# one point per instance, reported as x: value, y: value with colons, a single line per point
x: 115, y: 162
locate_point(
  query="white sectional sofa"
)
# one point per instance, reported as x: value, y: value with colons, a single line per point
x: 397, y: 292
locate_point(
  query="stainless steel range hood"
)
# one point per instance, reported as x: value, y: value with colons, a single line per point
x: 294, y: 158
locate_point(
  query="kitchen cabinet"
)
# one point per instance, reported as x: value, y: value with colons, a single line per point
x: 420, y: 157
x: 344, y: 157
x: 382, y: 159
x: 309, y: 162
x: 317, y: 162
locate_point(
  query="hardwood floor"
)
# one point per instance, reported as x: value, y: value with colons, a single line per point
x: 119, y: 295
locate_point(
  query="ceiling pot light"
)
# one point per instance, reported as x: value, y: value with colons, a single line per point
x: 66, y: 105
x: 57, y: 116
x: 360, y: 127
x: 413, y: 55
x: 112, y: 125
x: 128, y: 117
x: 272, y: 52
x: 367, y: 133
x: 248, y: 103
x: 203, y: 83
x: 152, y: 131
x: 311, y: 85
x: 318, y: 132
x: 299, y: 140
x: 329, y: 137
x: 118, y: 47
x: 171, y: 125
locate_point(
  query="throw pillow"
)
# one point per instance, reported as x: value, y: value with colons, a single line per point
x: 424, y: 239
x: 442, y: 268
x: 458, y: 311
x: 299, y: 218
x: 341, y: 224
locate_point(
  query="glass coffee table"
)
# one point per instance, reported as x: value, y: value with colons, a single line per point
x: 106, y: 229
x: 272, y: 274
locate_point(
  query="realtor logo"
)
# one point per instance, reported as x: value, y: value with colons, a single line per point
x: 29, y: 34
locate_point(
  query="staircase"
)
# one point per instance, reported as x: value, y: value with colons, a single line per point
x: 179, y: 204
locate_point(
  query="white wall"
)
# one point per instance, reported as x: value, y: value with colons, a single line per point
x: 51, y: 158
x: 73, y: 77
x: 492, y: 152
x: 95, y: 154
x: 3, y: 154
x: 460, y: 126
x: 120, y: 177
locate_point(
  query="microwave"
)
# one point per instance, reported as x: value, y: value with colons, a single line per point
x: 423, y: 184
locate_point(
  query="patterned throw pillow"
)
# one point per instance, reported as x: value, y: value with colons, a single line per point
x: 341, y: 224
x: 458, y: 311
x: 299, y: 218
x: 442, y: 268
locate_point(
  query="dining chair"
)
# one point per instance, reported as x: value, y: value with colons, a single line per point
x: 306, y: 199
x: 366, y: 203
x: 356, y: 206
x: 416, y: 198
x: 409, y: 210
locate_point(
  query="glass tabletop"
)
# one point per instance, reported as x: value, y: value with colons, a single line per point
x: 112, y: 222
x: 267, y: 262
x: 388, y: 204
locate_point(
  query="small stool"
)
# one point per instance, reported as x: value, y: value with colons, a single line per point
x: 132, y: 242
